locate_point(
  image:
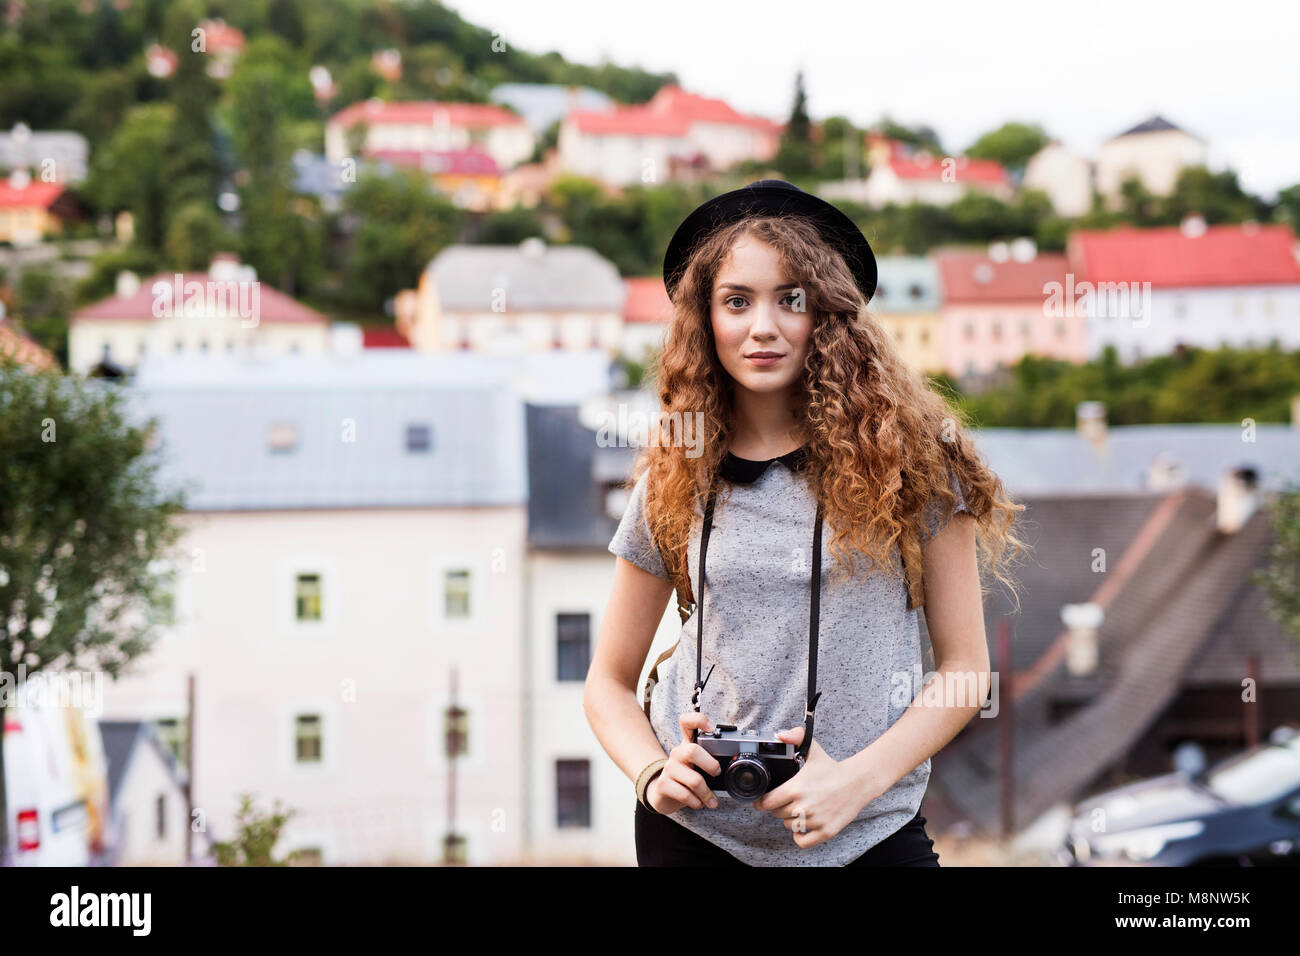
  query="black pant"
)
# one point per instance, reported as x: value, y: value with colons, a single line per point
x: 662, y: 841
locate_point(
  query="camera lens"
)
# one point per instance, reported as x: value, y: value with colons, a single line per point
x: 747, y: 778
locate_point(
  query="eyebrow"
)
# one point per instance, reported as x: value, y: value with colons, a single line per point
x: 744, y: 288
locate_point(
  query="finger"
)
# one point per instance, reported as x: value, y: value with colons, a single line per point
x: 692, y: 756
x: 692, y: 721
x: 679, y: 790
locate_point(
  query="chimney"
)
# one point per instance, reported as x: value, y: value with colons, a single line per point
x: 1164, y: 474
x: 534, y: 247
x: 127, y: 285
x: 346, y: 339
x: 1238, y: 498
x: 1090, y: 421
x: 1193, y: 225
x: 1081, y: 654
x: 1023, y: 249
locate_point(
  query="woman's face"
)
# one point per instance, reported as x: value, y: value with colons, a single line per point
x: 760, y: 323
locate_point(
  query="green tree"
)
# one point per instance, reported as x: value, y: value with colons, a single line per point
x: 128, y: 173
x: 795, y: 155
x: 1280, y: 577
x: 1011, y: 144
x: 256, y: 834
x: 190, y: 166
x: 194, y: 234
x: 403, y: 224
x: 86, y: 531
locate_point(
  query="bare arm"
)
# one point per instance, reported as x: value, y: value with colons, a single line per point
x: 954, y: 616
x: 636, y: 605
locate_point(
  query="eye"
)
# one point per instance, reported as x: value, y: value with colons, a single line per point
x: 791, y: 296
x: 731, y: 298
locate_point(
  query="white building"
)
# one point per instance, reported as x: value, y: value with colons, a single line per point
x: 646, y: 143
x: 355, y: 536
x: 582, y: 804
x: 1155, y: 151
x: 1188, y: 285
x: 514, y: 299
x: 900, y: 175
x: 1064, y: 175
x: 224, y: 311
x: 378, y: 127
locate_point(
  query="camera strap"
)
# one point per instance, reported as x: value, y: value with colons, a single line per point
x: 814, y: 623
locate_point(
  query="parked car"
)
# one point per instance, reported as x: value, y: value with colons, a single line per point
x: 1243, y: 811
x: 56, y: 785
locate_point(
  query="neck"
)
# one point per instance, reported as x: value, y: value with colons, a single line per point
x: 765, y: 425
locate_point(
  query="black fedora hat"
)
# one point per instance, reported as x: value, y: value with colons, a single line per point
x: 771, y: 197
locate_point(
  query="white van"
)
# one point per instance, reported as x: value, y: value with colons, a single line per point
x: 55, y: 785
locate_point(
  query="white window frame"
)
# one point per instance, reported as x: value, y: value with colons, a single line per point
x: 443, y: 562
x: 329, y: 725
x: 289, y: 568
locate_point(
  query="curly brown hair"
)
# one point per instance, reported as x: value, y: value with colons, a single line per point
x: 881, y: 443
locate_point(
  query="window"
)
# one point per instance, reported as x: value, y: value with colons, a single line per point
x: 997, y: 331
x: 456, y: 593
x: 456, y: 731
x: 203, y: 346
x: 293, y: 348
x: 1024, y: 330
x: 144, y: 347
x: 179, y: 346
x: 307, y: 738
x: 1180, y: 306
x: 283, y: 437
x: 572, y: 646
x: 171, y: 731
x: 970, y: 330
x: 573, y: 793
x: 419, y: 437
x: 307, y: 596
x: 915, y: 291
x: 160, y: 816
x: 453, y: 848
x: 1060, y: 329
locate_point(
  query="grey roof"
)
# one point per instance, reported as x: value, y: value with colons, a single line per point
x: 216, y: 425
x: 541, y: 104
x: 122, y: 742
x: 1155, y: 124
x: 1060, y: 460
x: 558, y: 277
x: 568, y: 477
x: 906, y: 284
x: 68, y: 149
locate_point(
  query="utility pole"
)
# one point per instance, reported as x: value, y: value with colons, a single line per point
x: 189, y: 770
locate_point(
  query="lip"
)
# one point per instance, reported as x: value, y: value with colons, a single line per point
x: 765, y: 358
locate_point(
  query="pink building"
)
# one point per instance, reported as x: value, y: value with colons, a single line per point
x: 996, y: 308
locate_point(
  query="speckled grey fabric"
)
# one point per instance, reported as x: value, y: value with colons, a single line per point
x: 756, y: 631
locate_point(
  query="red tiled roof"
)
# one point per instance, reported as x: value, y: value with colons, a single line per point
x: 925, y: 166
x: 425, y: 113
x: 628, y: 121
x: 379, y: 337
x: 466, y: 162
x: 647, y: 300
x: 35, y: 193
x: 273, y: 305
x: 672, y: 100
x: 671, y: 112
x: 23, y: 349
x: 1243, y: 254
x: 960, y: 272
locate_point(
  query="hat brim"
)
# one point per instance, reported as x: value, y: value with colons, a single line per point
x: 772, y: 197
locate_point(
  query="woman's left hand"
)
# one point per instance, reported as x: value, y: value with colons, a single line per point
x: 818, y: 801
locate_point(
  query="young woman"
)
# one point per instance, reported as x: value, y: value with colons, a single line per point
x: 806, y: 409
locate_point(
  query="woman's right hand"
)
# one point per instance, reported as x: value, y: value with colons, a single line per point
x: 680, y: 784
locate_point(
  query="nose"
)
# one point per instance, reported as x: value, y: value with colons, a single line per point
x: 763, y: 327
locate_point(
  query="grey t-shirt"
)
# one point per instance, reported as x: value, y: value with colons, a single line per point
x: 756, y: 632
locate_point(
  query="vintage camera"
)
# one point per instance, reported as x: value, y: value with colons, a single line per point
x: 751, y: 765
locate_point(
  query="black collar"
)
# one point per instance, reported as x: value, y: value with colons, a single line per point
x: 745, y: 470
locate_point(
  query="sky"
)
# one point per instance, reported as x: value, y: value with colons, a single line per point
x: 1227, y: 72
